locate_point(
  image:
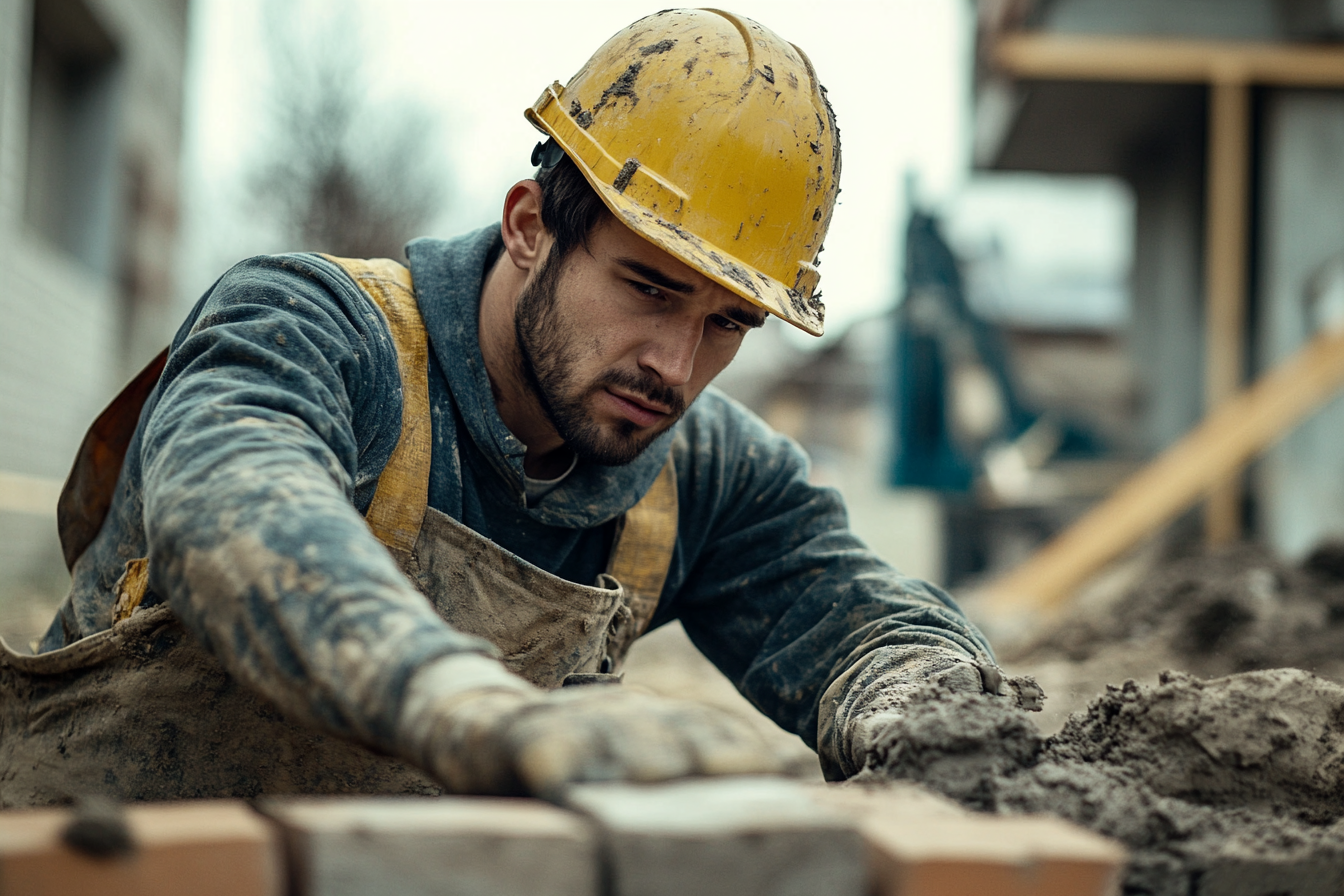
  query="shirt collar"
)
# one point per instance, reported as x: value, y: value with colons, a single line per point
x: 448, y: 276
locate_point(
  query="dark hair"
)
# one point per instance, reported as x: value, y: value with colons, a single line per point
x: 570, y: 207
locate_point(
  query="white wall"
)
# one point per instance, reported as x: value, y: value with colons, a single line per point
x: 68, y: 337
x: 1300, y: 482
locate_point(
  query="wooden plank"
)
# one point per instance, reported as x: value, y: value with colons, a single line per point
x: 920, y: 844
x: 1059, y: 57
x: 748, y: 836
x: 190, y: 848
x: 443, y: 846
x: 1225, y: 235
x: 1240, y: 429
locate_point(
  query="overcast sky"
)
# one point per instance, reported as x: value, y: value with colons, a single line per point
x: 897, y: 71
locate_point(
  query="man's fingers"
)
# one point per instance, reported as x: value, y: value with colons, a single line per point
x: 963, y: 678
x: 726, y: 745
x: 656, y: 751
x: 991, y: 679
x: 631, y: 739
x: 556, y: 746
x: 545, y: 764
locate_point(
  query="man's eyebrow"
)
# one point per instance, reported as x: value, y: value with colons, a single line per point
x: 746, y: 318
x: 740, y: 315
x: 655, y: 276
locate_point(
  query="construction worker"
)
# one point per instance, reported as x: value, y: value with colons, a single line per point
x: 361, y: 522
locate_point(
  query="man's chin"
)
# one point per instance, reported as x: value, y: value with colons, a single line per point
x: 618, y: 445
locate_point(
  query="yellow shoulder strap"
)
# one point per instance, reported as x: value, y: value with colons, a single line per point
x: 643, y: 547
x: 403, y: 487
x: 642, y: 553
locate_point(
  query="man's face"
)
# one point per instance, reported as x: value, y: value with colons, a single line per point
x: 619, y: 338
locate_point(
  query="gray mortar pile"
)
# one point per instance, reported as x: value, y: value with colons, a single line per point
x: 1233, y: 610
x: 1230, y: 786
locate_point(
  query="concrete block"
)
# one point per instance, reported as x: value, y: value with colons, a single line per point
x: 723, y: 837
x: 898, y: 799
x: 1246, y: 876
x: 923, y: 845
x: 446, y: 846
x: 205, y: 848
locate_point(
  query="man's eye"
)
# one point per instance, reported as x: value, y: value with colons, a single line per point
x: 652, y: 292
x: 724, y: 323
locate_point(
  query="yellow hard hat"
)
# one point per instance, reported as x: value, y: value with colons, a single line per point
x: 710, y: 136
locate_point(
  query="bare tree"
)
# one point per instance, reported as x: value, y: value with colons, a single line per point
x: 340, y: 173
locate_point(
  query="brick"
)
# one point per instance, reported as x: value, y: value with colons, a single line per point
x: 922, y: 845
x: 447, y: 846
x: 723, y: 837
x: 900, y: 799
x: 205, y: 848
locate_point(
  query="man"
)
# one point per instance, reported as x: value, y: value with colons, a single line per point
x: 523, y: 413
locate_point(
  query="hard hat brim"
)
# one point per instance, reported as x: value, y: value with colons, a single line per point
x: 796, y: 305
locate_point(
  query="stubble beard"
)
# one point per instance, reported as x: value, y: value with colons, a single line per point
x: 548, y: 347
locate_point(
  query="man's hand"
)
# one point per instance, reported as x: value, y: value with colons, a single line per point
x: 861, y: 705
x: 479, y: 729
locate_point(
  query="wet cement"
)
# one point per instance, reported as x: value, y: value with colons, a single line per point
x: 1208, y: 614
x: 1224, y: 787
x: 1232, y: 610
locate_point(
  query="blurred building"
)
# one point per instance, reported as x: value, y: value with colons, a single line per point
x: 835, y: 401
x: 90, y: 129
x: 1226, y: 119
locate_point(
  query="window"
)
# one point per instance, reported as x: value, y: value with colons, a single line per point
x: 71, y: 179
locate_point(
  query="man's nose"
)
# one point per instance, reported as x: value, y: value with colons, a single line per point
x: 670, y: 353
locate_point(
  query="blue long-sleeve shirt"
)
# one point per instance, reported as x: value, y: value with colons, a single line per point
x: 263, y: 443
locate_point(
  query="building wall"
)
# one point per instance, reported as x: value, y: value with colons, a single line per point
x: 1301, y: 252
x: 1166, y: 332
x: 87, y: 240
x: 1152, y: 136
x: 1227, y: 19
x: 1297, y: 495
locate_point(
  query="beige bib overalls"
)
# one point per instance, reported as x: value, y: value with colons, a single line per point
x: 143, y: 711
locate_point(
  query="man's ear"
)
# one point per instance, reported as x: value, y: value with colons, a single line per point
x: 525, y: 238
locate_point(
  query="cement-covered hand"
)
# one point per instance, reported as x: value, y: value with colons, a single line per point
x: 864, y: 702
x: 479, y: 729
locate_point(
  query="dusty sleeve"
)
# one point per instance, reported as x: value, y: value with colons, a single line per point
x: 778, y: 592
x: 272, y: 399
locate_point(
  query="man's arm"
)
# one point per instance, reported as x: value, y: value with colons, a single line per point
x: 250, y: 458
x: 811, y: 626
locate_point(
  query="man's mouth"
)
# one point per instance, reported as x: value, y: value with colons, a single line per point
x: 638, y: 409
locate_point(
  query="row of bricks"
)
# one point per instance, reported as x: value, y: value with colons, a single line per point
x: 736, y: 837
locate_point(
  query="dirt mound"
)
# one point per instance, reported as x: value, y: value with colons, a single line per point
x: 1271, y: 741
x: 1217, y: 786
x: 1215, y: 614
x: 1233, y: 610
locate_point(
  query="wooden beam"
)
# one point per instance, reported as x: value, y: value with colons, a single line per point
x: 1223, y: 443
x: 1063, y: 57
x: 1225, y: 235
x: 20, y: 493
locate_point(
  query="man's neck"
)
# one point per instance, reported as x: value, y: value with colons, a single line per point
x: 547, y: 456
